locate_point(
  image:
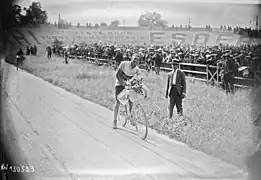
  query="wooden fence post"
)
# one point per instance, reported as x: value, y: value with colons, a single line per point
x: 207, y: 73
x: 217, y: 75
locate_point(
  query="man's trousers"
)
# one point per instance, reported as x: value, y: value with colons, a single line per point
x: 175, y: 99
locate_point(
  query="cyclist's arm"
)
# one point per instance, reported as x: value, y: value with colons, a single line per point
x: 120, y: 75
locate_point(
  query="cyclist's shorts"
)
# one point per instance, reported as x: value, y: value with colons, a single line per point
x: 118, y: 90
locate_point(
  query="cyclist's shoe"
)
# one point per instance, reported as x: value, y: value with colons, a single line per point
x: 114, y: 126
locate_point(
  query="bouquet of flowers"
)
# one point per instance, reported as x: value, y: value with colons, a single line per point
x: 136, y: 85
x: 135, y: 89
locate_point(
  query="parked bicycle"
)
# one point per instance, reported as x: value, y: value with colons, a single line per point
x: 137, y: 117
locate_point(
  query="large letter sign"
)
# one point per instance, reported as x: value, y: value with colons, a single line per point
x: 224, y: 38
x: 44, y: 36
x: 156, y: 37
x: 201, y: 39
x: 179, y: 38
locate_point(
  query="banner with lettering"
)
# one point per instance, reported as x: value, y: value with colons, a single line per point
x: 45, y: 36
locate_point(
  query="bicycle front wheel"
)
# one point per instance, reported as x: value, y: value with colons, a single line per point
x: 141, y: 121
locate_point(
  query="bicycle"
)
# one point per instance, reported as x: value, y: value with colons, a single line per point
x: 137, y: 117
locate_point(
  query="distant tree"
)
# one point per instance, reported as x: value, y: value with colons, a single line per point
x: 35, y: 15
x: 96, y: 25
x: 103, y: 24
x: 55, y: 24
x: 78, y: 25
x: 151, y: 19
x: 115, y: 23
x: 15, y: 18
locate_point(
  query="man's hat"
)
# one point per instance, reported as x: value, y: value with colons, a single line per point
x: 175, y: 61
x: 225, y: 55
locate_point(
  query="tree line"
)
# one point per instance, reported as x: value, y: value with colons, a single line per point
x: 33, y: 15
x: 147, y: 19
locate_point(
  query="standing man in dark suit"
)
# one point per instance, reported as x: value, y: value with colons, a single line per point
x: 229, y: 74
x: 158, y: 61
x: 176, y: 88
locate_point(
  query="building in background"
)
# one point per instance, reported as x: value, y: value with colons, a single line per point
x: 63, y: 24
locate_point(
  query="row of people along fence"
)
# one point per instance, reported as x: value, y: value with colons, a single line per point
x: 207, y: 73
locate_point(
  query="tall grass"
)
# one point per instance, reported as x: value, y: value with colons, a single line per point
x: 215, y: 123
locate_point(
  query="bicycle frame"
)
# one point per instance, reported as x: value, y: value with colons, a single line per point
x: 135, y: 101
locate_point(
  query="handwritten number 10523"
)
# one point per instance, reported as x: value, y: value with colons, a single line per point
x: 21, y: 168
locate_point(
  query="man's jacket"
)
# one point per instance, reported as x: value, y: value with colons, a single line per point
x: 230, y: 68
x: 119, y: 57
x: 180, y: 82
x: 158, y: 60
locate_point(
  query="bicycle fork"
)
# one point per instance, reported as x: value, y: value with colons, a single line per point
x: 129, y: 112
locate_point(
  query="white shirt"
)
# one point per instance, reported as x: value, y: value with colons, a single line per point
x: 174, y: 77
x: 125, y: 66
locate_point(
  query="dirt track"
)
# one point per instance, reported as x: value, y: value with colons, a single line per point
x: 65, y: 137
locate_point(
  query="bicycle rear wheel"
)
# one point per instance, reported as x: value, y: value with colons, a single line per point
x: 141, y: 121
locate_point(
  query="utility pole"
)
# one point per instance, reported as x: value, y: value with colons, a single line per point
x: 189, y: 22
x: 59, y: 21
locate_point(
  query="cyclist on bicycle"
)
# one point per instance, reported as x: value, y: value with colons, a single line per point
x: 126, y: 70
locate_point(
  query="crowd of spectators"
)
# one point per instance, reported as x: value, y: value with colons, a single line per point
x: 252, y: 33
x: 245, y: 55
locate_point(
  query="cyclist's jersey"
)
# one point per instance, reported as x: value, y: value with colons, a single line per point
x: 125, y: 66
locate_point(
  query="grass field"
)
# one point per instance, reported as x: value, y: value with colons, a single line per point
x: 217, y: 124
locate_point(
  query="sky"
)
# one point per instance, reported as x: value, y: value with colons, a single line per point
x: 201, y: 12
